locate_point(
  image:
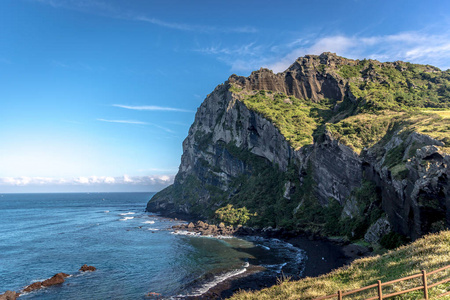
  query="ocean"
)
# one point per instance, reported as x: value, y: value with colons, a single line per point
x: 135, y: 252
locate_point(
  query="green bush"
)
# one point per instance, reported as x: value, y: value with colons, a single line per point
x: 233, y: 216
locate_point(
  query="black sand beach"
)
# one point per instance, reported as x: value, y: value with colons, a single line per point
x: 323, y: 256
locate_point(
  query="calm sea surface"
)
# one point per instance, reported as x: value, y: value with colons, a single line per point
x: 134, y: 252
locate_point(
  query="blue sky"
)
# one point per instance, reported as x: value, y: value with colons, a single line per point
x: 99, y: 95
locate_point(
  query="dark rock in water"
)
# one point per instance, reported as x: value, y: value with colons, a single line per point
x: 86, y: 268
x: 33, y: 286
x: 56, y: 279
x: 9, y: 295
x: 153, y: 295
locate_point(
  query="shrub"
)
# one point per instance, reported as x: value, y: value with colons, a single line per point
x: 233, y: 216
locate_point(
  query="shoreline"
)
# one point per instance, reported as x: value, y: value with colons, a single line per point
x: 323, y: 256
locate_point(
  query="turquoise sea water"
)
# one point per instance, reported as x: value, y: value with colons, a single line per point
x: 134, y: 252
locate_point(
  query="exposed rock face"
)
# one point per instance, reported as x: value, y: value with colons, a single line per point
x: 420, y: 201
x: 219, y: 121
x: 377, y: 231
x: 303, y: 79
x: 337, y: 169
x: 225, y: 134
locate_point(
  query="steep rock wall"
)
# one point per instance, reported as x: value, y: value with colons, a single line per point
x: 229, y: 146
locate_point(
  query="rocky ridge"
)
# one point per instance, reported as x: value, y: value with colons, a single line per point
x: 236, y: 154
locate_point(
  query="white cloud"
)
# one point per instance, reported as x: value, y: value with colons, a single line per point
x: 151, y: 108
x: 415, y: 46
x: 88, y: 181
x: 82, y: 180
x: 110, y: 180
x: 127, y: 179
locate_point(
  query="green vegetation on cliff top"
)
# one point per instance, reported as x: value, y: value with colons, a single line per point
x: 297, y: 119
x: 383, y: 97
x: 428, y: 253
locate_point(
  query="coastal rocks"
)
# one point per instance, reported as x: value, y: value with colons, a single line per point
x: 206, y: 229
x: 86, y: 268
x: 56, y: 279
x: 33, y: 286
x: 9, y: 295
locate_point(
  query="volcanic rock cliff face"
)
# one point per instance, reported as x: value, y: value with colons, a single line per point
x: 238, y: 151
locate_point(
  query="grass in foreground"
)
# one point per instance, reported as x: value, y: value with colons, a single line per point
x: 428, y: 253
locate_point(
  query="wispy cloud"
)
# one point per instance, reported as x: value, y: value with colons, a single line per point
x: 133, y: 122
x: 108, y: 10
x: 241, y: 50
x: 162, y: 127
x: 192, y: 27
x: 414, y: 46
x: 152, y: 108
x: 124, y: 121
x: 88, y: 180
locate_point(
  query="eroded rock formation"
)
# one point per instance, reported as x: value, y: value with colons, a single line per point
x: 228, y: 144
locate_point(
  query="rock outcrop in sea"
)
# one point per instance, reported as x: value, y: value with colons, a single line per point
x: 362, y: 160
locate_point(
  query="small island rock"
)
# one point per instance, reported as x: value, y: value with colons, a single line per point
x: 86, y: 268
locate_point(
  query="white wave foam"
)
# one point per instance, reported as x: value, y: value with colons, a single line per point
x: 184, y: 232
x: 198, y: 234
x: 128, y: 213
x: 106, y: 211
x: 218, y: 279
x: 295, y: 256
x: 277, y: 268
x: 148, y: 222
x: 262, y: 246
x: 126, y: 218
x: 153, y: 229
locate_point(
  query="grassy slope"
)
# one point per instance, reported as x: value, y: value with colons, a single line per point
x: 428, y: 253
x: 388, y: 95
x: 297, y: 119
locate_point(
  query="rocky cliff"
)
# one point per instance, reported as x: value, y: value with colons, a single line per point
x: 331, y: 145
